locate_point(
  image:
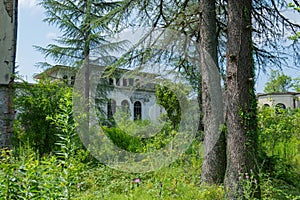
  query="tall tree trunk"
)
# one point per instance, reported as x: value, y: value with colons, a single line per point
x: 241, y: 102
x: 8, y: 37
x: 214, y: 163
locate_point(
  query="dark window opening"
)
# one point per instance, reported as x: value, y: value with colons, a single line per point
x: 111, y: 108
x: 137, y: 111
x: 279, y: 108
x: 72, y: 80
x: 110, y: 81
x: 280, y: 105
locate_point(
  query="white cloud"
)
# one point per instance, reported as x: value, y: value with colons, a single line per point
x: 51, y: 35
x: 28, y: 3
x: 31, y: 5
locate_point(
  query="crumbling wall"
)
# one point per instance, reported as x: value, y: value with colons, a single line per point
x: 8, y: 36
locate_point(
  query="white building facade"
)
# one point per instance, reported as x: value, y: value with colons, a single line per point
x: 134, y: 93
x: 280, y: 99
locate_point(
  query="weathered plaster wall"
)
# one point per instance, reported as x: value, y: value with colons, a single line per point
x: 6, y: 40
x: 290, y: 100
x: 8, y: 26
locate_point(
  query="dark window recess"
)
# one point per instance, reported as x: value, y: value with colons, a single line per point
x: 279, y: 108
x: 137, y: 111
x: 110, y: 81
x: 72, y: 80
x: 111, y: 108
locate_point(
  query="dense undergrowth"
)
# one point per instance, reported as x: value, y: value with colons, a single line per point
x: 68, y: 171
x: 25, y: 175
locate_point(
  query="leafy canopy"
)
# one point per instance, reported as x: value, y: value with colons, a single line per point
x: 279, y: 82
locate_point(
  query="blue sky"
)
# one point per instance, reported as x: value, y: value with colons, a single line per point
x: 33, y: 31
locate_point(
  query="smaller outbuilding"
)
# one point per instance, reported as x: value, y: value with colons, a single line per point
x: 280, y: 99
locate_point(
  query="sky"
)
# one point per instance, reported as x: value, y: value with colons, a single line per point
x: 33, y: 31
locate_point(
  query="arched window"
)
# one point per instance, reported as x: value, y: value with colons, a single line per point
x: 111, y: 108
x: 137, y: 110
x: 110, y: 81
x: 72, y: 80
x: 279, y: 108
x: 280, y: 105
x: 125, y: 106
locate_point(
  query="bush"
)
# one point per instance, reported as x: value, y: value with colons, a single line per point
x: 35, y: 105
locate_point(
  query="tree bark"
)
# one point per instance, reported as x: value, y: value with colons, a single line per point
x: 8, y: 37
x: 241, y: 102
x: 214, y: 162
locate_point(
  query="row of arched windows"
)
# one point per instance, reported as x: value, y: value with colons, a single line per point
x: 279, y: 105
x: 124, y: 82
x: 66, y: 79
x: 112, y: 107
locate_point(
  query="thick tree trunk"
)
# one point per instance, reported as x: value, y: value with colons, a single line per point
x: 214, y: 163
x: 241, y: 103
x: 8, y: 36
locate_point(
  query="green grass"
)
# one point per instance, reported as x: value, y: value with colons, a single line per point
x: 49, y: 178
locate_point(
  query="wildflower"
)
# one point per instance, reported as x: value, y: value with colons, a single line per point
x: 247, y: 177
x: 137, y: 180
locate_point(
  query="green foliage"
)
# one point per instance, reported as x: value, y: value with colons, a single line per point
x: 280, y: 132
x: 297, y: 9
x: 35, y: 105
x: 168, y: 95
x: 296, y: 83
x: 279, y: 143
x: 27, y: 176
x: 278, y: 82
x: 80, y: 32
x: 123, y: 140
x: 126, y: 135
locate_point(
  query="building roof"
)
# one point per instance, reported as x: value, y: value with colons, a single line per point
x: 49, y: 71
x: 277, y: 94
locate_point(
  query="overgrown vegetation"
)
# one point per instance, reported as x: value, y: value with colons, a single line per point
x: 68, y: 172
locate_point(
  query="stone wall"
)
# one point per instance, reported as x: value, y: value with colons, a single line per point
x: 6, y: 115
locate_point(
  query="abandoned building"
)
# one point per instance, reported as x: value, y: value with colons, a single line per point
x: 280, y: 99
x: 133, y: 92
